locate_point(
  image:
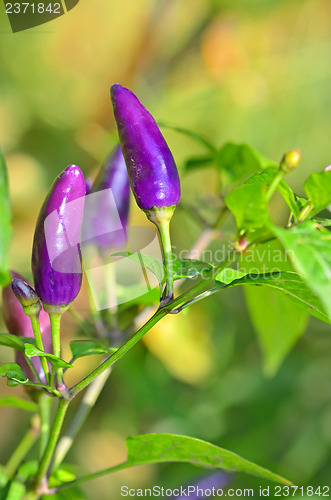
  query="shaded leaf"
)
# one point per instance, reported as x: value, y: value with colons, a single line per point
x: 290, y: 284
x: 23, y: 404
x: 278, y: 324
x: 5, y: 222
x: 81, y: 348
x: 241, y: 160
x: 31, y: 351
x: 192, y: 135
x: 309, y: 249
x: 190, y: 268
x: 197, y: 162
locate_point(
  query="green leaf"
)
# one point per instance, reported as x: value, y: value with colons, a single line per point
x: 265, y: 177
x: 158, y: 448
x: 241, y: 160
x: 197, y: 162
x: 192, y: 135
x: 5, y: 222
x: 249, y: 206
x: 278, y: 324
x: 290, y: 284
x: 23, y: 404
x: 9, y: 340
x: 13, y: 372
x: 318, y: 189
x: 228, y: 275
x: 81, y: 348
x: 16, y: 491
x: 309, y: 249
x: 145, y: 261
x: 190, y: 268
x: 31, y: 351
x: 27, y: 469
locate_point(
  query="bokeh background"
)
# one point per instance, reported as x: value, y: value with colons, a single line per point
x: 255, y: 71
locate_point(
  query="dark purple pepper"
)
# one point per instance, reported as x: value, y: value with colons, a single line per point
x: 56, y: 259
x: 19, y: 324
x: 113, y: 185
x: 151, y: 166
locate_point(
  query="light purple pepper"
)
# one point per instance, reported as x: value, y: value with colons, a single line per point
x: 56, y: 259
x: 113, y: 177
x: 151, y: 167
x: 19, y: 324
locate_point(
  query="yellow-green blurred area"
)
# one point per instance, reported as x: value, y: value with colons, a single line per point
x: 255, y: 71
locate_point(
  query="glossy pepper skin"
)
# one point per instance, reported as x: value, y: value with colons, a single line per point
x: 19, y: 324
x: 151, y: 167
x: 56, y: 261
x: 112, y: 175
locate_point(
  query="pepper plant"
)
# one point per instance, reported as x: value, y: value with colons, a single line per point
x: 32, y: 313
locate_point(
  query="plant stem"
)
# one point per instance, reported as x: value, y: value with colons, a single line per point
x: 39, y: 343
x: 55, y: 320
x: 164, y: 232
x: 306, y: 211
x: 86, y: 405
x: 52, y: 441
x: 274, y: 183
x: 94, y: 475
x: 44, y: 413
x: 23, y: 448
x: 157, y: 316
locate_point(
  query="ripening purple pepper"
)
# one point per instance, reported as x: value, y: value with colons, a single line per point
x: 56, y: 259
x: 19, y: 324
x: 151, y: 166
x: 112, y: 176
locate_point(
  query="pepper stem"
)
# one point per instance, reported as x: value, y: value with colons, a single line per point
x: 34, y: 318
x: 55, y: 315
x: 161, y: 218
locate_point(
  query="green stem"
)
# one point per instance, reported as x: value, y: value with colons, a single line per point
x: 95, y: 475
x: 39, y: 343
x: 23, y: 448
x: 306, y: 211
x: 52, y: 441
x: 274, y: 183
x: 55, y: 320
x: 86, y: 405
x: 157, y: 316
x: 45, y: 414
x: 164, y: 232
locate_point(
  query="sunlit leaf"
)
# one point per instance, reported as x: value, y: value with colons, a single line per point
x: 309, y: 248
x: 318, y: 189
x: 290, y: 284
x: 249, y: 206
x: 31, y: 351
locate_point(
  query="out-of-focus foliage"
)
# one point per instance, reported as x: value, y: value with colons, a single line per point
x: 254, y: 72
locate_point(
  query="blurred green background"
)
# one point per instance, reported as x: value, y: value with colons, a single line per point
x: 255, y: 71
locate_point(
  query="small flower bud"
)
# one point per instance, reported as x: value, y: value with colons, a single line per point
x: 19, y: 324
x: 290, y: 160
x: 26, y: 295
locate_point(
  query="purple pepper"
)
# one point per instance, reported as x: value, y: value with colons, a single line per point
x: 151, y: 166
x: 207, y: 484
x: 19, y: 324
x: 56, y: 259
x: 112, y: 182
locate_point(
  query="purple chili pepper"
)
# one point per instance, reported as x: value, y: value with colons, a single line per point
x: 113, y: 200
x: 151, y: 166
x: 152, y: 170
x: 56, y: 259
x: 19, y: 324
